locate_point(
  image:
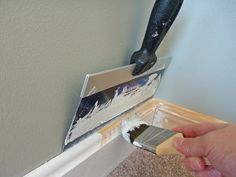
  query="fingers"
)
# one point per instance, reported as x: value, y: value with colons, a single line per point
x: 198, y: 166
x: 191, y: 146
x: 194, y: 130
x: 208, y: 172
x: 195, y: 163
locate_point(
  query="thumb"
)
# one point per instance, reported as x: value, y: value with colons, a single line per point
x: 190, y: 146
x: 208, y: 172
x: 194, y: 130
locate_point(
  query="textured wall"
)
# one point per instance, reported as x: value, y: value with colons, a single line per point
x: 202, y: 75
x: 46, y: 48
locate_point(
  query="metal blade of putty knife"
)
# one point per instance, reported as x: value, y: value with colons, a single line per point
x: 107, y: 94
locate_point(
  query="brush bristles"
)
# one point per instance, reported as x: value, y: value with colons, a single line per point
x: 129, y: 125
x: 136, y: 131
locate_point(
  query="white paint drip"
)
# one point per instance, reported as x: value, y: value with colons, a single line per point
x: 164, y: 24
x: 155, y: 34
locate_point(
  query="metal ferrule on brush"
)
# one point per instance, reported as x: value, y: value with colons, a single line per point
x: 149, y: 137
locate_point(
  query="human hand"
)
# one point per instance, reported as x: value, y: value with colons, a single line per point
x: 213, y: 141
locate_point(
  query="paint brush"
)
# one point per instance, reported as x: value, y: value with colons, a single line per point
x: 154, y: 139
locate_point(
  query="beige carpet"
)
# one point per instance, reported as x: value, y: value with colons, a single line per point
x: 144, y: 164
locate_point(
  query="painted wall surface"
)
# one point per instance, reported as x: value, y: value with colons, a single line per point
x: 46, y: 48
x: 202, y: 75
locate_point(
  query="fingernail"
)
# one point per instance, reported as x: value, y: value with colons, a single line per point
x: 214, y: 173
x: 178, y: 141
x: 197, y: 165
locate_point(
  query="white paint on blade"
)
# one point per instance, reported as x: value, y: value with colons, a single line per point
x: 114, y: 107
x: 129, y: 125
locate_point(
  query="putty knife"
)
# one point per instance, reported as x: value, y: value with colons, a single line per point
x: 108, y: 94
x: 163, y: 15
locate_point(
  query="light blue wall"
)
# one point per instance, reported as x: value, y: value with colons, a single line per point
x: 202, y: 75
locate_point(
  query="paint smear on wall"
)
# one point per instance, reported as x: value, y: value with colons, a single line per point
x: 101, y: 107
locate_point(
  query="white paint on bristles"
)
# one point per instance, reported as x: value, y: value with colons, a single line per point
x: 137, y: 144
x: 130, y: 125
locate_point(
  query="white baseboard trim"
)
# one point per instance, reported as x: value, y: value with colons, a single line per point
x: 88, y: 158
x: 66, y: 161
x: 95, y: 156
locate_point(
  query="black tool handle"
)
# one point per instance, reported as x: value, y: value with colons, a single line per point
x: 162, y: 16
